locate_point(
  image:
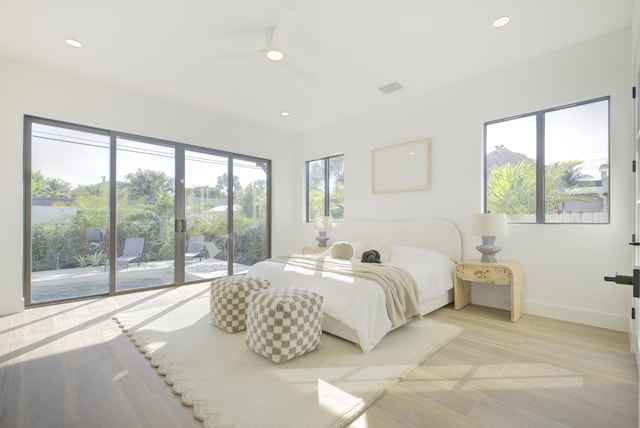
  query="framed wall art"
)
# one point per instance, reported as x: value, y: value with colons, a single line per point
x: 404, y: 167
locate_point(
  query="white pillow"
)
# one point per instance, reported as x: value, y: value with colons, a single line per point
x: 383, y: 249
x: 341, y: 250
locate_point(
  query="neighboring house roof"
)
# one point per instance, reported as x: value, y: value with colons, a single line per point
x: 49, y: 201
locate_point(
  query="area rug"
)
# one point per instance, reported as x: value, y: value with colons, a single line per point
x: 228, y: 385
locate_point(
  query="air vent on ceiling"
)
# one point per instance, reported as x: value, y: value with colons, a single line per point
x: 391, y: 87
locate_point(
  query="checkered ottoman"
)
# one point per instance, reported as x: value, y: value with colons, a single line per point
x: 283, y: 323
x: 228, y: 298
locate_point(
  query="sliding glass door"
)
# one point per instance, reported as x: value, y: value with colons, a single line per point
x: 145, y: 213
x: 67, y: 213
x: 207, y: 222
x: 109, y: 213
x: 250, y: 207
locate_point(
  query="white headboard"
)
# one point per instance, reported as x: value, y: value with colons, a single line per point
x: 438, y: 235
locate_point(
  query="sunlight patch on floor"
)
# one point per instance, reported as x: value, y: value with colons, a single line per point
x: 334, y: 400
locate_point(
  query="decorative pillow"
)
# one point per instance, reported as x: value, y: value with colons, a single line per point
x: 370, y: 256
x: 383, y: 249
x: 341, y: 250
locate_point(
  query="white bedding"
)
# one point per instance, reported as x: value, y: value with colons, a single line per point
x: 360, y: 303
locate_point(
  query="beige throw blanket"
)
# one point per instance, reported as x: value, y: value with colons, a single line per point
x: 399, y: 286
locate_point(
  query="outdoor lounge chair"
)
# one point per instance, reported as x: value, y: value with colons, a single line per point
x: 195, y: 248
x: 132, y: 252
x: 212, y: 249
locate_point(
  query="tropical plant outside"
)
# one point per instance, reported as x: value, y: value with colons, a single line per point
x: 511, y: 187
x: 145, y: 209
x: 317, y: 194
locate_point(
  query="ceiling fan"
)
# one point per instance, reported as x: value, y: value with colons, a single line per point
x: 275, y: 38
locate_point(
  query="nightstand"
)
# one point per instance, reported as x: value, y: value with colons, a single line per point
x: 501, y: 273
x: 313, y: 250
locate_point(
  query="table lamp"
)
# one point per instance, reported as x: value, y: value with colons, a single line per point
x: 489, y: 226
x: 322, y: 224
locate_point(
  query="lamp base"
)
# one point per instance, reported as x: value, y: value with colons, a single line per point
x: 488, y: 249
x: 322, y: 238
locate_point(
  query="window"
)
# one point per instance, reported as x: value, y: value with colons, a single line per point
x: 325, y: 188
x: 551, y: 166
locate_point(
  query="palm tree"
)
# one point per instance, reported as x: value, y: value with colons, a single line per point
x: 254, y: 195
x: 574, y: 177
x: 564, y: 182
x: 511, y: 188
x: 57, y: 188
x: 37, y: 183
x: 223, y: 185
x: 144, y: 185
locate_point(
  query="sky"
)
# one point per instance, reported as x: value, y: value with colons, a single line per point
x: 83, y: 158
x: 576, y: 133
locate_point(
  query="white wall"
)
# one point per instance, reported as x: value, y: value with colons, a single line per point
x: 25, y: 89
x: 564, y: 264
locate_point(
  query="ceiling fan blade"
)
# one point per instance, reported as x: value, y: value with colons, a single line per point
x: 298, y: 68
x: 268, y: 38
x: 232, y: 55
x: 284, y: 28
x: 275, y: 38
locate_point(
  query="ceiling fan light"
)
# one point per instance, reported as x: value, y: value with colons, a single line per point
x: 275, y: 55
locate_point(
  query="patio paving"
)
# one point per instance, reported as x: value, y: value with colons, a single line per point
x: 62, y: 284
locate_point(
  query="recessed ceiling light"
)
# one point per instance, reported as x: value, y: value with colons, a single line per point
x: 285, y: 113
x: 275, y: 55
x: 73, y: 42
x: 501, y: 22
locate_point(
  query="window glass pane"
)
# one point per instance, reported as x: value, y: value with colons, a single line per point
x: 145, y: 214
x: 577, y: 164
x: 316, y: 190
x: 206, y: 202
x: 69, y: 213
x: 249, y: 214
x: 511, y: 168
x: 336, y: 188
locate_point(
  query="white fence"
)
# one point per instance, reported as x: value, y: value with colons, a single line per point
x: 580, y: 218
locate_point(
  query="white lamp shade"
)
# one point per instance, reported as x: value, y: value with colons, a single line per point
x: 489, y: 225
x: 323, y: 222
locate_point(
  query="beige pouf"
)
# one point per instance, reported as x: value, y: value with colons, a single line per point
x: 228, y: 299
x: 283, y: 323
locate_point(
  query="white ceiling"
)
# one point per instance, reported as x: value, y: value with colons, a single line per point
x: 178, y: 49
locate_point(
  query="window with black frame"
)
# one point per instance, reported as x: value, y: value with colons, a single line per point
x: 325, y: 188
x: 551, y: 166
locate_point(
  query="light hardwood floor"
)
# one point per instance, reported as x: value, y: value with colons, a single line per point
x: 537, y: 372
x: 69, y: 365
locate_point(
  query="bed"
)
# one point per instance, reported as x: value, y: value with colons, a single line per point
x: 355, y: 308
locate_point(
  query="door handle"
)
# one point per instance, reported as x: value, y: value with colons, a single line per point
x: 180, y: 226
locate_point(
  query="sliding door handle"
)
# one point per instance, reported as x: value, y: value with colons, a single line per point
x: 180, y: 226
